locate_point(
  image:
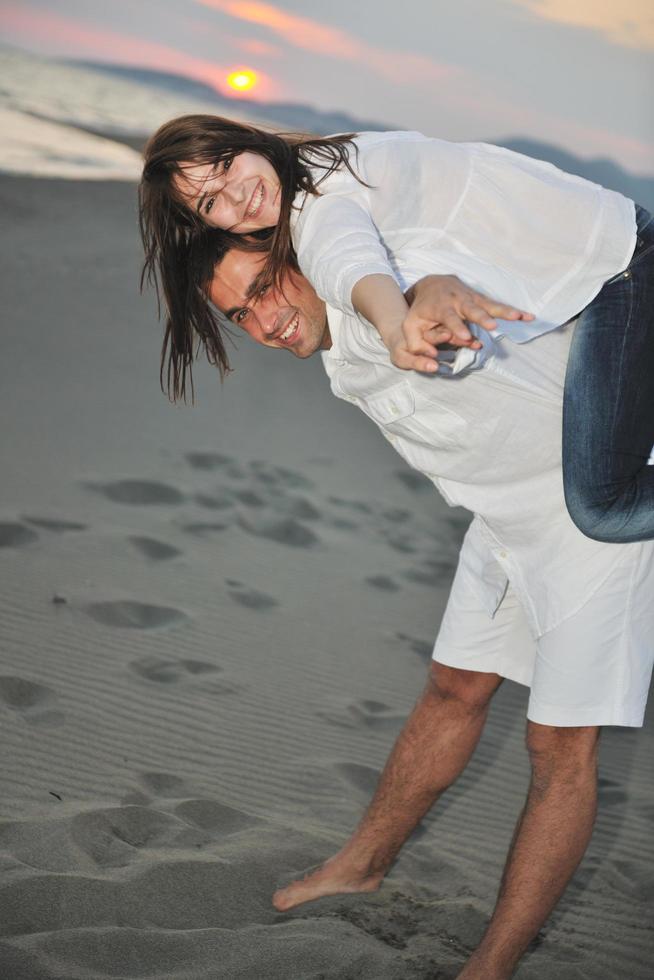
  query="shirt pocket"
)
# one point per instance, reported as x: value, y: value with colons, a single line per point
x: 426, y: 438
x: 392, y: 407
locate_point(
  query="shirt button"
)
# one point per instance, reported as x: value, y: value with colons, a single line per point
x: 350, y: 398
x: 394, y: 408
x: 503, y: 554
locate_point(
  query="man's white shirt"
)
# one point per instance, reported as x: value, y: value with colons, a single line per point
x: 490, y: 440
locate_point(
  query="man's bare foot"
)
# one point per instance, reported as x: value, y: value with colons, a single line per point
x: 337, y: 876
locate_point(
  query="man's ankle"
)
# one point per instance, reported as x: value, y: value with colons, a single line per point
x: 489, y: 964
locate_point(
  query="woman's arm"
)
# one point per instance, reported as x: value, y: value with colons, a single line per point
x: 380, y: 300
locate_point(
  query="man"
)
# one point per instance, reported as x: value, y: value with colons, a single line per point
x: 532, y: 598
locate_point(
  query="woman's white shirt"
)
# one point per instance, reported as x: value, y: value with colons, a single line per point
x: 518, y: 229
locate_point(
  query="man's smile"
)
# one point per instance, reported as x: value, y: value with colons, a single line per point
x: 289, y: 335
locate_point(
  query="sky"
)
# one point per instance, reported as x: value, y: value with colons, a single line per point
x: 577, y: 73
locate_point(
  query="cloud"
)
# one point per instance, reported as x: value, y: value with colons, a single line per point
x: 260, y: 48
x: 399, y: 67
x: 626, y: 22
x: 69, y: 37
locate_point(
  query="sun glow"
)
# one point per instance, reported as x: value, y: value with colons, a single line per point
x: 242, y: 80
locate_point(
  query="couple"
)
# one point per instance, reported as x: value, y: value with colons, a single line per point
x: 533, y: 599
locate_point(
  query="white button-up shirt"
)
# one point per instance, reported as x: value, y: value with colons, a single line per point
x: 490, y: 440
x: 518, y: 229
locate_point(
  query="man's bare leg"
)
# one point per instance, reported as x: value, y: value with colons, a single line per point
x: 432, y: 749
x: 550, y: 839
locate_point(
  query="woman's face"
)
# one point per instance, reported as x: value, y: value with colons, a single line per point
x: 240, y: 194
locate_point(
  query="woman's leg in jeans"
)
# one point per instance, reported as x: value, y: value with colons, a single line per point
x: 608, y: 409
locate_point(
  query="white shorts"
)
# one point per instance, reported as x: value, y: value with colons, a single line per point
x: 594, y: 668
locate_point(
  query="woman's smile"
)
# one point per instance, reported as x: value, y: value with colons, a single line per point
x: 256, y: 201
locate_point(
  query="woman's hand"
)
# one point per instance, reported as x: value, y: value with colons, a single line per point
x: 448, y: 304
x: 424, y: 357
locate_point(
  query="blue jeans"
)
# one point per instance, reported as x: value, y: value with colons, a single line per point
x: 608, y: 408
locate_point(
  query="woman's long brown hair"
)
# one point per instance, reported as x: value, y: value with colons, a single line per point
x: 180, y: 250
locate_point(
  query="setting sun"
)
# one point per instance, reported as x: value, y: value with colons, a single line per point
x: 242, y: 80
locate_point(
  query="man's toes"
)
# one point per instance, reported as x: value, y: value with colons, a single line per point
x: 286, y: 898
x: 279, y: 900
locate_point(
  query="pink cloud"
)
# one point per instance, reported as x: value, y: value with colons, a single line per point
x: 399, y: 67
x: 630, y: 23
x: 69, y: 37
x: 259, y: 48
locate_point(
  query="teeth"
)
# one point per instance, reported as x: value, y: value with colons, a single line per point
x: 291, y: 327
x: 256, y: 203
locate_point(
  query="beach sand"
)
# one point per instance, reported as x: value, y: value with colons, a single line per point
x: 215, y: 619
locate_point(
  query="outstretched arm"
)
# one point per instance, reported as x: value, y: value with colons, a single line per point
x: 446, y: 302
x: 380, y: 300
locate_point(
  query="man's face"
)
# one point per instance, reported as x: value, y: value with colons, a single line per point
x: 292, y: 318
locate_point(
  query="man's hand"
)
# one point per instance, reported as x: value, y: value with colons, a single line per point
x: 444, y: 302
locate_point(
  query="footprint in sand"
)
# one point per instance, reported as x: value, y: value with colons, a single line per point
x: 344, y: 524
x: 207, y: 461
x: 383, y: 582
x: 203, y: 528
x: 112, y: 838
x: 35, y: 702
x: 421, y: 647
x: 138, y: 492
x: 248, y: 597
x: 165, y: 671
x: 280, y: 476
x: 286, y: 531
x: 250, y: 498
x: 414, y: 481
x: 216, y: 817
x: 296, y: 507
x: 459, y: 523
x: 14, y: 535
x: 399, y: 542
x: 362, y: 778
x: 375, y: 714
x: 394, y: 918
x: 57, y: 525
x: 127, y: 614
x: 631, y: 879
x: 431, y: 572
x: 610, y: 793
x: 165, y: 784
x: 220, y: 501
x: 397, y: 515
x: 371, y: 714
x: 153, y: 549
x: 344, y: 503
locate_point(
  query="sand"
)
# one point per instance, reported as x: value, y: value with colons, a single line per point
x: 215, y: 619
